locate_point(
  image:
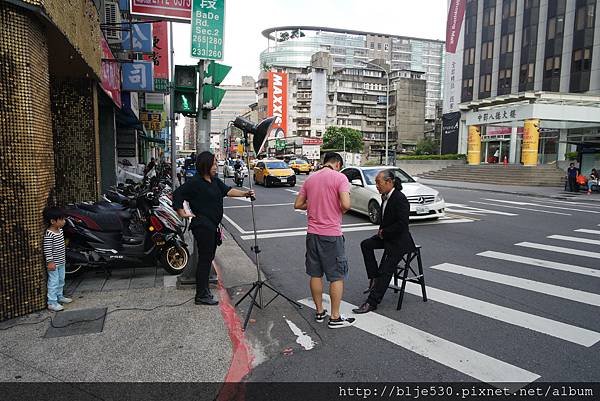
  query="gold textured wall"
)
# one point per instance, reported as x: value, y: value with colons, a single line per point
x: 78, y: 20
x: 26, y: 161
x: 74, y: 122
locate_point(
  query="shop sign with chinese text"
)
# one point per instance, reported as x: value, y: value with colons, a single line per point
x: 171, y: 10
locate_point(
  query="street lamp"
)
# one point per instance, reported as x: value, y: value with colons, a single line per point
x: 387, y: 106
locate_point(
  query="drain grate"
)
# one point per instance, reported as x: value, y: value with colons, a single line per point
x: 77, y: 322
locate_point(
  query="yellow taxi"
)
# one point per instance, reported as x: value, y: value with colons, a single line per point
x: 300, y: 166
x: 274, y: 172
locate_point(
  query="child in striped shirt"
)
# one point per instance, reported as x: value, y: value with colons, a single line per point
x: 54, y: 252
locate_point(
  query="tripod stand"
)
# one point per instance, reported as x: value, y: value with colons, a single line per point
x: 257, y: 288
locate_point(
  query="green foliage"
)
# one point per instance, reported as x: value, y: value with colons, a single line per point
x: 434, y: 157
x: 426, y: 146
x: 334, y: 139
x: 571, y: 155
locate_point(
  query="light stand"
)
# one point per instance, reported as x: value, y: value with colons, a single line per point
x: 256, y: 292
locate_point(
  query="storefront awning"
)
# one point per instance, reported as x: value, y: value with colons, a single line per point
x: 151, y: 139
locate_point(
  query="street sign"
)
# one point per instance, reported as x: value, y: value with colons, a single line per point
x: 179, y: 10
x: 155, y: 101
x: 208, y: 24
x: 215, y: 73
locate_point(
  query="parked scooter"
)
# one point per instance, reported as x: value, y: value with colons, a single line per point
x: 96, y: 237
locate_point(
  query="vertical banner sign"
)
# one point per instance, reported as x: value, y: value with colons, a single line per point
x: 138, y: 38
x: 531, y: 138
x: 168, y: 10
x: 450, y: 127
x: 277, y: 101
x: 160, y: 56
x: 454, y: 52
x: 137, y: 77
x: 474, y: 145
x: 208, y: 24
x: 111, y: 74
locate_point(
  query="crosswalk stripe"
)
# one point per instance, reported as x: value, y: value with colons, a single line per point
x: 541, y: 263
x: 583, y: 230
x: 369, y: 227
x: 553, y: 328
x: 575, y: 239
x: 559, y: 249
x: 571, y: 209
x: 521, y: 208
x: 531, y: 285
x: 460, y: 208
x: 470, y: 362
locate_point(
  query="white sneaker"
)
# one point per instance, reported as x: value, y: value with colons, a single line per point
x: 55, y: 307
x: 340, y: 322
x: 65, y: 300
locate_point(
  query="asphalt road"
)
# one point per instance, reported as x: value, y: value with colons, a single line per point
x: 525, y: 310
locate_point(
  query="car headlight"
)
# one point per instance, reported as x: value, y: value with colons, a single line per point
x: 439, y: 198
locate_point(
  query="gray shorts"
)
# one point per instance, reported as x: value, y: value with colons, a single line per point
x: 325, y: 254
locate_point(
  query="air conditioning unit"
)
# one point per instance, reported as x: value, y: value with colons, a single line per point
x: 112, y: 19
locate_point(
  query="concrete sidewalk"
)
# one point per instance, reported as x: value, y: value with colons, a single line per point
x: 543, y: 192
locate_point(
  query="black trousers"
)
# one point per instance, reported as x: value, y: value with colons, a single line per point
x: 206, y: 242
x: 382, y: 274
x: 573, y: 187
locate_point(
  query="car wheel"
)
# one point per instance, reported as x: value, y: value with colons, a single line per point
x: 266, y: 183
x: 293, y: 184
x: 374, y: 212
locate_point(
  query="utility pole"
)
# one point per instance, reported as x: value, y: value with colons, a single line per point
x: 202, y: 116
x: 172, y: 110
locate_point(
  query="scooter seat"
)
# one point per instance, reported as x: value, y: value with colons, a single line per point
x: 102, y: 221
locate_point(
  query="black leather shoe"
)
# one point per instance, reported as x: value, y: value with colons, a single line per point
x: 371, y: 286
x: 364, y: 308
x: 206, y: 300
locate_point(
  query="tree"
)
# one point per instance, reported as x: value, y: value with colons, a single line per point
x: 426, y: 146
x: 334, y: 139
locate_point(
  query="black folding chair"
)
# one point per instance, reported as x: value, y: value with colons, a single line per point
x: 403, y: 270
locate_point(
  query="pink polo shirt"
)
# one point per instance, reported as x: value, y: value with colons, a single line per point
x: 322, y: 192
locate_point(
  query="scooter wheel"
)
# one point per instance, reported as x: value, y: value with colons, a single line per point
x: 174, y: 259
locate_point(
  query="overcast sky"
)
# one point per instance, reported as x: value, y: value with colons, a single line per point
x: 246, y: 19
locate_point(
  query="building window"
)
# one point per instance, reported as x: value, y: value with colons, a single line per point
x: 372, y: 45
x: 487, y: 50
x: 386, y: 47
x: 504, y: 81
x: 470, y: 25
x: 485, y: 83
x: 469, y: 56
x: 555, y: 27
x: 552, y: 67
x: 584, y: 17
x: 378, y: 46
x: 531, y: 3
x: 509, y: 8
x: 527, y: 73
x: 489, y: 15
x: 529, y: 36
x: 506, y: 43
x: 582, y: 60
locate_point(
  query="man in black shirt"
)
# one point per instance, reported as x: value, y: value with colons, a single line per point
x: 205, y: 193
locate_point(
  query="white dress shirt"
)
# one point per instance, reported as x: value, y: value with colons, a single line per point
x: 385, y: 203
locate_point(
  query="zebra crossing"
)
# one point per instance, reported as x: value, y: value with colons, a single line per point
x: 511, y: 208
x: 475, y: 363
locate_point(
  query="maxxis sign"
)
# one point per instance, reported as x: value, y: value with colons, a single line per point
x: 277, y: 101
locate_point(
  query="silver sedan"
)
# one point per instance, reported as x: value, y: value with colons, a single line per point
x: 425, y: 202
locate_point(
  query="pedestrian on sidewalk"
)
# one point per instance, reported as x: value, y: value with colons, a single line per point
x: 325, y: 196
x: 594, y: 180
x: 54, y: 252
x: 393, y: 236
x: 205, y: 193
x: 572, y: 177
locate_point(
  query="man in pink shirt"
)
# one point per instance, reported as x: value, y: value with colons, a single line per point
x: 325, y: 196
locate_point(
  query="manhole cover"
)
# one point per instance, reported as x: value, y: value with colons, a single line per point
x: 77, y: 322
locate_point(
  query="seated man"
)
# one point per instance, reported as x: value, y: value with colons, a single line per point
x: 393, y: 236
x: 593, y: 181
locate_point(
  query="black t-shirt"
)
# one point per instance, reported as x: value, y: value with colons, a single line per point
x: 205, y: 199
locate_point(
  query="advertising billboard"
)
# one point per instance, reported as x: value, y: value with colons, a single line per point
x: 277, y: 101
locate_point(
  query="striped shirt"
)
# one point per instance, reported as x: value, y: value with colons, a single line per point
x: 54, y: 247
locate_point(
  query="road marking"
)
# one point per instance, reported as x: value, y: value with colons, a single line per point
x: 546, y: 206
x: 301, y: 337
x: 575, y: 239
x: 559, y: 249
x: 583, y: 230
x: 521, y: 208
x: 248, y: 206
x: 531, y: 285
x: 474, y: 210
x: 582, y: 204
x: 472, y: 363
x: 292, y: 191
x: 302, y: 232
x: 541, y: 263
x: 553, y: 328
x: 242, y: 231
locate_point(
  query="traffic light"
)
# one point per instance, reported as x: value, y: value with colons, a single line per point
x: 214, y: 74
x: 185, y: 89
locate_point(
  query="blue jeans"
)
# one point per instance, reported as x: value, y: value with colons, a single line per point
x: 56, y: 283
